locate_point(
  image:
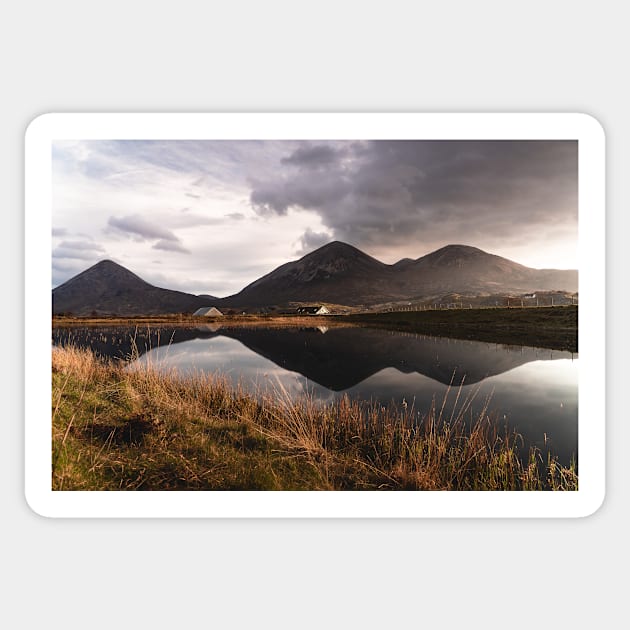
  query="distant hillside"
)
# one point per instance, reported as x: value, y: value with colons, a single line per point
x: 471, y: 271
x: 341, y: 274
x: 336, y: 273
x: 109, y: 289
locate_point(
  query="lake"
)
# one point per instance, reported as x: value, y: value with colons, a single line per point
x: 531, y: 390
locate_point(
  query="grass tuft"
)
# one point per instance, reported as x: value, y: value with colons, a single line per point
x: 117, y: 427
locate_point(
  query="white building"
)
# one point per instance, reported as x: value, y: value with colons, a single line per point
x: 208, y: 311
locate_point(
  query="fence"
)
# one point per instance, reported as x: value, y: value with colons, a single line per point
x: 508, y: 302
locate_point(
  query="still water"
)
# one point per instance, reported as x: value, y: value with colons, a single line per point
x: 531, y: 390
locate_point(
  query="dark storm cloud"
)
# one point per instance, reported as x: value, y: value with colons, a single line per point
x: 312, y: 156
x: 384, y: 193
x: 314, y: 176
x: 303, y: 189
x: 393, y: 199
x: 311, y: 240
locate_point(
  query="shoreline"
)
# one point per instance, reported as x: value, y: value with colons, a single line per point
x: 554, y: 328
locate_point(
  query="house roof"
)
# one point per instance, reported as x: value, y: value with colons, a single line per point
x: 208, y: 310
x: 311, y: 309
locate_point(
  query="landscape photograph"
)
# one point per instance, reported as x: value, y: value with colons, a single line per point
x: 356, y: 315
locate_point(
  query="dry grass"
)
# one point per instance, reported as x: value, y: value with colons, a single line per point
x: 267, y: 321
x: 130, y: 429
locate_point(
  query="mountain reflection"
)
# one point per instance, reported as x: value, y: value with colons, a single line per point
x: 335, y: 358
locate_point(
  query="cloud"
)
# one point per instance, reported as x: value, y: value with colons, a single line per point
x: 191, y: 219
x: 139, y: 226
x: 303, y: 190
x: 381, y: 194
x: 171, y: 246
x: 392, y: 199
x: 142, y: 230
x: 311, y: 240
x: 315, y: 156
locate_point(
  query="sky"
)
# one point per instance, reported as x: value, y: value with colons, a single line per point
x: 211, y: 216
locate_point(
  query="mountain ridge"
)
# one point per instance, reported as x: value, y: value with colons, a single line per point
x: 336, y: 273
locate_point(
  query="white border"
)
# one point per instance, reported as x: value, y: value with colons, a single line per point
x: 347, y: 126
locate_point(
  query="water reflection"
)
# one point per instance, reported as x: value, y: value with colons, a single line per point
x: 336, y: 358
x: 530, y: 389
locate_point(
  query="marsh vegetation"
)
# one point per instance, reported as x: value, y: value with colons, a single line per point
x: 116, y: 428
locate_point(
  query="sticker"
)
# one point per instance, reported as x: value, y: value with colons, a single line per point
x: 315, y: 315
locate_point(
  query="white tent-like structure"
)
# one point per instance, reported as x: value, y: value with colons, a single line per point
x: 208, y: 311
x: 312, y: 310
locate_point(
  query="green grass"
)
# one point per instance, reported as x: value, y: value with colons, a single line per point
x: 545, y: 327
x: 116, y: 428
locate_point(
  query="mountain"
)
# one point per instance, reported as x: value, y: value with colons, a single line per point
x: 109, y: 289
x: 341, y: 274
x: 471, y: 271
x: 334, y: 273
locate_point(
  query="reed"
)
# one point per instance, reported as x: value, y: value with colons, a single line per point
x: 134, y: 427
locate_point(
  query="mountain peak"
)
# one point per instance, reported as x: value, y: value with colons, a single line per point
x: 474, y: 265
x: 109, y: 271
x: 336, y: 256
x: 457, y: 248
x: 338, y: 248
x: 453, y: 254
x: 103, y: 264
x: 328, y: 273
x: 110, y: 288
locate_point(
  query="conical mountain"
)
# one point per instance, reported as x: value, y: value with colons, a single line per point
x: 336, y: 272
x: 108, y: 288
